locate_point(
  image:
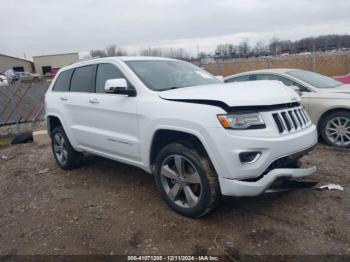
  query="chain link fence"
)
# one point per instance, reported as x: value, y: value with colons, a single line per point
x: 22, y: 103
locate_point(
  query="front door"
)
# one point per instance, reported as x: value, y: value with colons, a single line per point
x: 114, y: 118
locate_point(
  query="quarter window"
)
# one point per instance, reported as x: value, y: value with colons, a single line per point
x: 82, y: 79
x: 62, y: 82
x: 104, y: 73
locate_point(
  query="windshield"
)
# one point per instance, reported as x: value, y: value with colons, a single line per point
x: 161, y: 75
x: 314, y: 79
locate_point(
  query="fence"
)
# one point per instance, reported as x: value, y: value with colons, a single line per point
x: 22, y: 102
x: 331, y: 64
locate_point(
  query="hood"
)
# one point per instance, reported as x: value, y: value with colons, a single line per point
x: 252, y: 93
x: 342, y: 91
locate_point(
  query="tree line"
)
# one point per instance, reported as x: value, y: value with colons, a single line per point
x: 276, y: 46
x: 244, y: 49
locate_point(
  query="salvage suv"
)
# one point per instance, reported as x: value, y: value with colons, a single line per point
x: 201, y: 138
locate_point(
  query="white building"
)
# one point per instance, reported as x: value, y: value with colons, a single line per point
x: 50, y: 64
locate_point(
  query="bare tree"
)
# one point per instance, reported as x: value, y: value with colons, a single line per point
x: 98, y: 53
x: 244, y: 48
x: 111, y: 50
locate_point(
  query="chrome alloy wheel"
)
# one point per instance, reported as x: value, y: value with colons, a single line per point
x: 60, y: 148
x: 181, y: 181
x: 338, y: 131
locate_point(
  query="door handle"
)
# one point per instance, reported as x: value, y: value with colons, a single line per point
x: 64, y: 98
x: 94, y: 101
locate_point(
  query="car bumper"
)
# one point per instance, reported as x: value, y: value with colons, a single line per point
x: 238, y: 188
x: 226, y: 156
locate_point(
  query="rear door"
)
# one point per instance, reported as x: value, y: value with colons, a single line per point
x: 114, y: 118
x: 78, y: 106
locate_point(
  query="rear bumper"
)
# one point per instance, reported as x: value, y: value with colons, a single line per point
x: 230, y: 187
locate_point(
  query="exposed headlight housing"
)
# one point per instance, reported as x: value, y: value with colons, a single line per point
x: 242, y: 121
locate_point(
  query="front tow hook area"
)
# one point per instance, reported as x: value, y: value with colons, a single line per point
x: 289, y: 184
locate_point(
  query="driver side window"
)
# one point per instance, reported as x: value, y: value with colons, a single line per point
x: 104, y: 73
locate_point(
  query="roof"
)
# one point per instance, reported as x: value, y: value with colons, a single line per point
x: 119, y: 58
x: 13, y: 57
x: 76, y: 53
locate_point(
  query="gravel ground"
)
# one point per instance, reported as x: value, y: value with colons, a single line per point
x: 107, y: 207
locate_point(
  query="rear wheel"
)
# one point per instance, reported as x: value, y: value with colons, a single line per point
x: 186, y: 180
x: 335, y: 129
x: 65, y: 155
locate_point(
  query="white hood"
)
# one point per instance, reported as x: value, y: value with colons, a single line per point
x: 341, y: 89
x: 252, y: 93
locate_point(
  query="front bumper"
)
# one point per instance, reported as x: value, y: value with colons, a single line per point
x: 238, y: 188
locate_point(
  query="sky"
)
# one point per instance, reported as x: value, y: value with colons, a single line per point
x: 39, y: 27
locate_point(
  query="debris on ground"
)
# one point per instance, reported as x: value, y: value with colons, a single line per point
x: 4, y: 157
x: 332, y: 187
x: 46, y: 170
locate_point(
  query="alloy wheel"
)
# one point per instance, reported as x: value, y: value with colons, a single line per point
x: 181, y: 181
x: 60, y: 148
x: 338, y: 131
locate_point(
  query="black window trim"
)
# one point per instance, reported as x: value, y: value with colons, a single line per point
x: 130, y: 85
x: 93, y: 78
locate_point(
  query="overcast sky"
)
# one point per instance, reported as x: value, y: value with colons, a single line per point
x: 37, y: 27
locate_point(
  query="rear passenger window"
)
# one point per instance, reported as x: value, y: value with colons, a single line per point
x: 104, y: 73
x: 62, y: 82
x: 82, y: 79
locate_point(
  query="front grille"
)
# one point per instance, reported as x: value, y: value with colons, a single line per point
x: 291, y: 120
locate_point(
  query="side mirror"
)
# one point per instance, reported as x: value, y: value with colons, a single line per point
x: 296, y: 89
x: 118, y: 86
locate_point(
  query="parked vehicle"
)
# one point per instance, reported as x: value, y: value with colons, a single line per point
x: 326, y: 100
x: 344, y: 79
x: 29, y: 77
x: 3, y: 80
x: 200, y: 138
x: 11, y: 76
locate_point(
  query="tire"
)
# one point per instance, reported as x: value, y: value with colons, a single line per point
x: 192, y: 199
x: 334, y: 129
x: 22, y: 138
x: 65, y: 155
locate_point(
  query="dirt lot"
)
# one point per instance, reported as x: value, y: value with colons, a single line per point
x: 106, y: 207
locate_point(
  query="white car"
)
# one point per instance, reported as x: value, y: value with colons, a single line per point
x: 200, y: 137
x: 29, y: 77
x: 326, y: 100
x: 3, y: 80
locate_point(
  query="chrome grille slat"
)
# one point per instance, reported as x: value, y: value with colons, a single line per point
x: 291, y: 120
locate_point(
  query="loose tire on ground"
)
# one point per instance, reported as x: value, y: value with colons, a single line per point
x: 193, y: 164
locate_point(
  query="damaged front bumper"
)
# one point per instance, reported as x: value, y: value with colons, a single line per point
x: 231, y: 187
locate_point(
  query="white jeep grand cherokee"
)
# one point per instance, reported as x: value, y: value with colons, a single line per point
x: 201, y: 138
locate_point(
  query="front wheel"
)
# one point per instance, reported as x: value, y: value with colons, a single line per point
x: 335, y: 129
x: 186, y: 180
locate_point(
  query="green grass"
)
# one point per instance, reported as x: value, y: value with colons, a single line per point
x: 5, y: 141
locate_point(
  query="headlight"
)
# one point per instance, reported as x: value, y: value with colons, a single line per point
x: 242, y: 121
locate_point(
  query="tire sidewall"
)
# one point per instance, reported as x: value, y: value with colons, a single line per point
x: 73, y: 158
x: 179, y: 149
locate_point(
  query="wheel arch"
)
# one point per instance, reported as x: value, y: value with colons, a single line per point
x: 163, y: 137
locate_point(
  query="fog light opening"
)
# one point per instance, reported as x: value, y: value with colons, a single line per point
x: 249, y: 157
